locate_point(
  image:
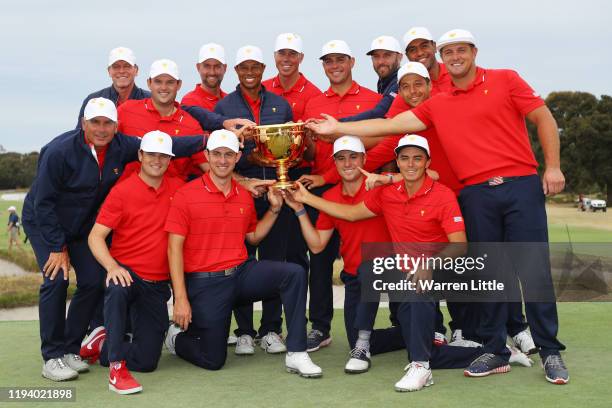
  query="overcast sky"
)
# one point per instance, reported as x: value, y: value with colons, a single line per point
x: 54, y: 53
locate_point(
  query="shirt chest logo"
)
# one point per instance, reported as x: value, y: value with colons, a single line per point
x: 486, y: 91
x: 176, y: 131
x: 273, y: 109
x: 241, y: 210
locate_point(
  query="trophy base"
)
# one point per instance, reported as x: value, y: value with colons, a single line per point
x: 284, y: 185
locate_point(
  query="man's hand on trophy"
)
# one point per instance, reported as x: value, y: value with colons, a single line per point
x: 255, y: 186
x: 243, y: 128
x: 290, y: 201
x: 275, y: 199
x: 298, y: 192
x: 311, y: 181
x: 326, y: 129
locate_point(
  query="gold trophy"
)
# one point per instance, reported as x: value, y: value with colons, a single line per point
x: 280, y: 146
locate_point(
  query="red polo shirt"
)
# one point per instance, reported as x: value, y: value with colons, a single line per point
x: 484, y: 125
x: 136, y: 212
x: 443, y: 83
x: 137, y: 117
x: 356, y: 100
x: 254, y: 105
x: 214, y: 226
x: 200, y: 97
x: 428, y: 216
x: 297, y: 96
x: 352, y: 234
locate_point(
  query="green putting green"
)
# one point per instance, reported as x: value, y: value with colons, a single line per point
x: 261, y: 380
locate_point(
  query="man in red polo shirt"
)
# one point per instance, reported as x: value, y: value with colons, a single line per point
x: 290, y: 83
x: 499, y: 170
x: 211, y: 66
x: 161, y: 112
x: 401, y: 205
x: 343, y: 98
x: 209, y: 221
x: 137, y: 271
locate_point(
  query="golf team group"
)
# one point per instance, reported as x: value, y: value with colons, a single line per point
x: 149, y: 199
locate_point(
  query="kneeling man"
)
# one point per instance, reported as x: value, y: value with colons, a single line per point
x: 137, y: 281
x: 208, y: 222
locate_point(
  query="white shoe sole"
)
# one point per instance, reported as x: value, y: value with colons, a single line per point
x: 92, y: 335
x: 324, y: 343
x: 428, y: 383
x: 244, y: 353
x: 498, y: 370
x: 55, y: 378
x: 301, y: 374
x: 358, y: 371
x: 125, y: 392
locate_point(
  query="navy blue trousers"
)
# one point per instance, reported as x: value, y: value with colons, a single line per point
x: 61, y: 334
x: 284, y: 243
x: 144, y: 303
x: 358, y: 315
x: 213, y: 298
x: 511, y: 212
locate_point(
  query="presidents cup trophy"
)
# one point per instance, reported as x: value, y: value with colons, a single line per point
x: 279, y: 146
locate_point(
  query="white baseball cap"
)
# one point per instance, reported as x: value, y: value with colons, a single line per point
x: 335, y: 47
x: 164, y: 66
x: 415, y: 33
x: 156, y: 142
x: 211, y: 50
x: 223, y: 138
x: 385, y: 42
x: 12, y: 208
x: 121, y: 54
x: 412, y: 140
x: 351, y: 143
x: 288, y: 41
x: 412, y: 68
x: 249, y: 52
x: 100, y: 107
x: 455, y: 36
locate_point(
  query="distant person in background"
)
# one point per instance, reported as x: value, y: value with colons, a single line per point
x: 122, y: 70
x: 13, y: 229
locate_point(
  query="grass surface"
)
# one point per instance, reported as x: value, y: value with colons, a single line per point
x: 261, y: 381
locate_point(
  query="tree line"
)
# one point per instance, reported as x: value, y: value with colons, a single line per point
x: 585, y: 130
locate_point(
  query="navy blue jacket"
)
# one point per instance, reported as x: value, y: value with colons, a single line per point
x: 274, y: 110
x: 110, y: 93
x: 68, y: 190
x: 388, y: 88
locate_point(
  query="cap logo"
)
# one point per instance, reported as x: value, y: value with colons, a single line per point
x: 160, y: 140
x: 411, y: 138
x: 212, y: 49
x: 289, y: 38
x: 413, y: 32
x: 223, y: 137
x: 332, y: 45
x: 101, y: 104
x: 345, y: 141
x: 381, y: 40
x: 247, y: 51
x: 165, y: 65
x: 452, y: 35
x: 120, y: 51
